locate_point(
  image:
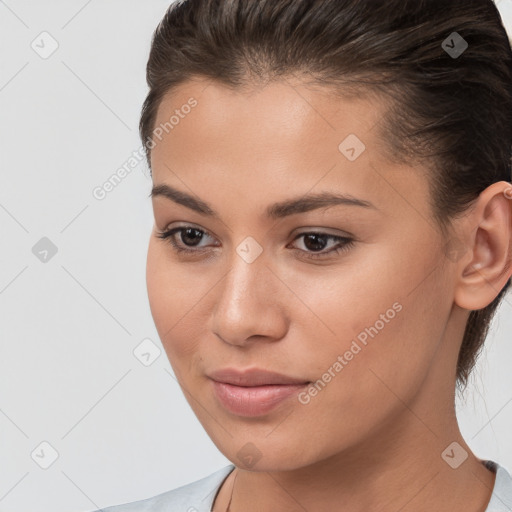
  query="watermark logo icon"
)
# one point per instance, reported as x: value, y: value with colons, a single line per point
x: 44, y: 455
x: 44, y: 250
x: 454, y: 250
x: 351, y: 147
x: 454, y: 45
x: 147, y: 352
x: 249, y: 455
x: 454, y: 455
x: 45, y: 45
x: 249, y: 249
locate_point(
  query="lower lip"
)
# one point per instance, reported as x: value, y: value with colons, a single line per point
x: 256, y: 400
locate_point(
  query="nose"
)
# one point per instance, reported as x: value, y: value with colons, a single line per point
x: 250, y: 304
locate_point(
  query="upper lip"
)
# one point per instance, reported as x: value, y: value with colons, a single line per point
x: 252, y: 377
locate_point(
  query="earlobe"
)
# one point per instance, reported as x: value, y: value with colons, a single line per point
x: 488, y: 233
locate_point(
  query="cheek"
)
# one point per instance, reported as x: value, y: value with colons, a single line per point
x: 159, y: 288
x: 175, y: 300
x: 380, y: 293
x: 386, y: 316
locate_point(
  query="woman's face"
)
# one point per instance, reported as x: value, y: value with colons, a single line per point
x: 367, y: 325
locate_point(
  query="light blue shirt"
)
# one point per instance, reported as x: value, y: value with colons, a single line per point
x: 199, y: 496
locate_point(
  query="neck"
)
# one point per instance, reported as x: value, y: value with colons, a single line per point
x: 398, y: 478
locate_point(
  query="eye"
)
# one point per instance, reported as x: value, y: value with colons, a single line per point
x: 316, y: 242
x: 189, y: 236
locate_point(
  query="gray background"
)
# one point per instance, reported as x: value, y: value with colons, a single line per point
x: 70, y: 321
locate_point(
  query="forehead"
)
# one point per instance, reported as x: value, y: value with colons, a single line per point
x: 280, y: 115
x: 283, y: 137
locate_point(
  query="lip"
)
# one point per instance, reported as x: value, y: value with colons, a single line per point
x: 253, y: 377
x: 253, y: 392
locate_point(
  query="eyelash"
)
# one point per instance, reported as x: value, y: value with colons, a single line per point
x: 347, y: 242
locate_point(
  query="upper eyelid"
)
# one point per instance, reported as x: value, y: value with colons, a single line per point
x: 320, y: 231
x: 177, y: 229
x: 332, y: 236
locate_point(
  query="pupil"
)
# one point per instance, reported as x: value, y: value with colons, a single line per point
x: 187, y: 234
x: 316, y: 244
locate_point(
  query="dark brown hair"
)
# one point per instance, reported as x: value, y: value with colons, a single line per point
x: 450, y: 107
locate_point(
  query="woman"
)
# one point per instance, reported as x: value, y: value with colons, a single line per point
x: 333, y: 235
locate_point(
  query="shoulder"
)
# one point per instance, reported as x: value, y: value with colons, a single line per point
x: 197, y: 496
x: 501, y: 499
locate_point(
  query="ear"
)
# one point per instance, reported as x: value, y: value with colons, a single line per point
x: 486, y: 265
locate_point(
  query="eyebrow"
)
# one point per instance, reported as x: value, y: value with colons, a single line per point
x: 278, y: 210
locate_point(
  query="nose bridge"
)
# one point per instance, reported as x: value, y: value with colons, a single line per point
x: 248, y: 301
x: 243, y: 286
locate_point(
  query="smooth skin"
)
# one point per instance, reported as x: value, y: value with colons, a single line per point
x: 373, y: 437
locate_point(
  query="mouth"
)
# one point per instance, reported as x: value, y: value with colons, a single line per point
x: 252, y: 377
x: 253, y: 392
